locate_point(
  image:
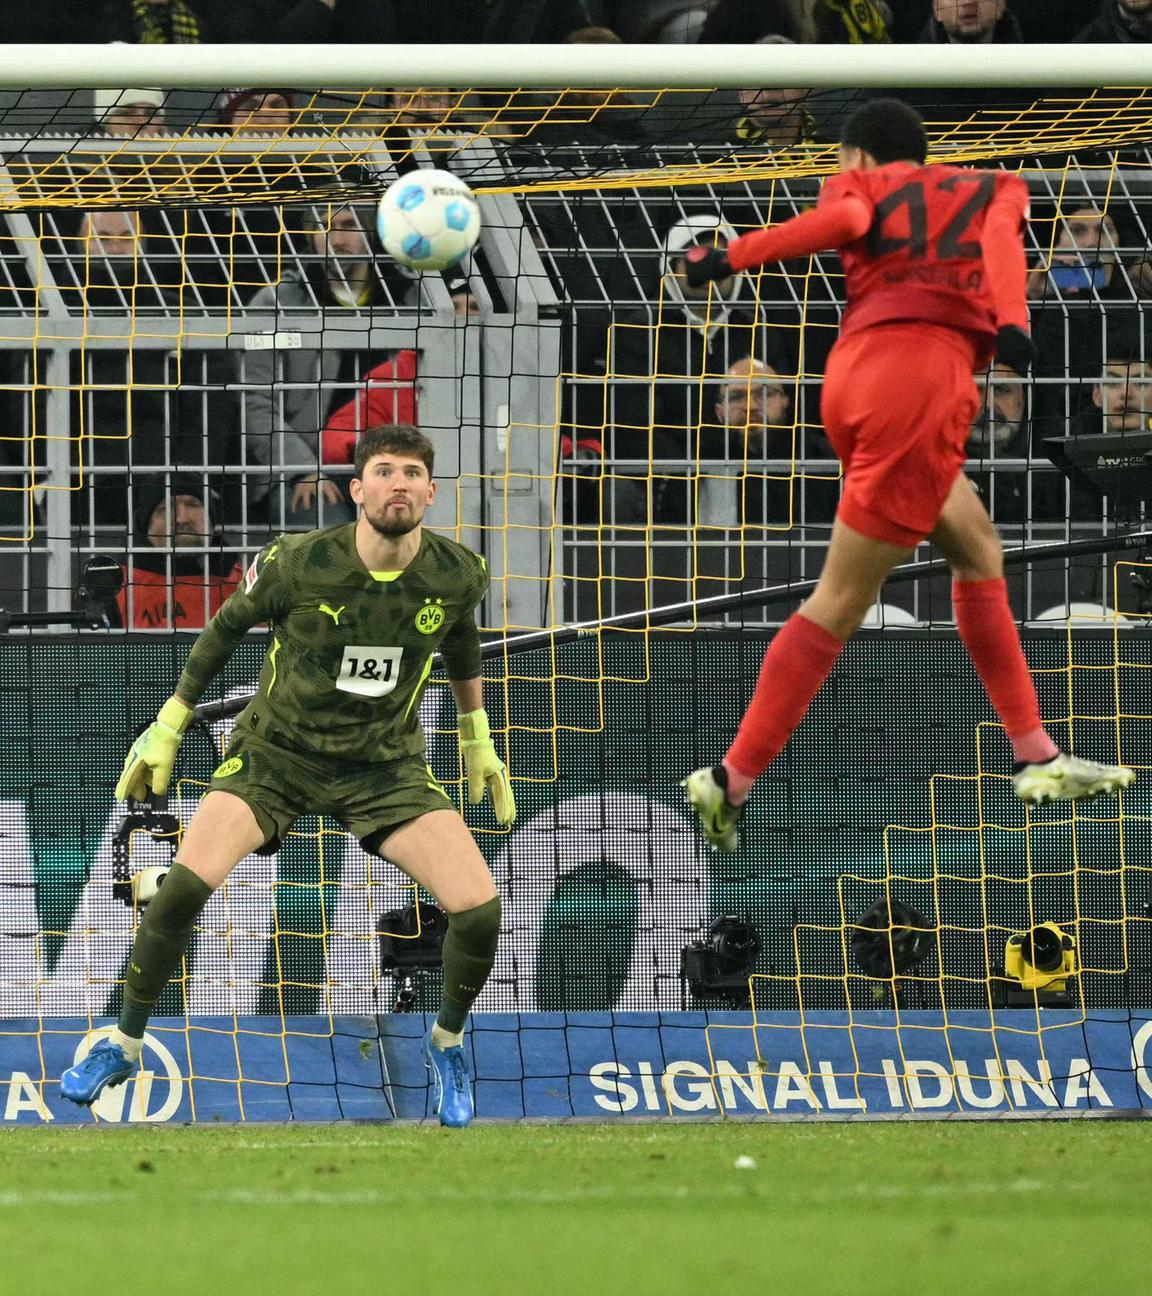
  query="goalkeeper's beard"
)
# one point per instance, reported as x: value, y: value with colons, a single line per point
x: 399, y: 525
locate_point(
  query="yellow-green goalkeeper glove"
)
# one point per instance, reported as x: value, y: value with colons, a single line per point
x: 149, y: 764
x: 485, y: 768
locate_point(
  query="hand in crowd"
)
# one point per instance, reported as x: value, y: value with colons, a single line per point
x: 304, y: 491
x: 1141, y: 277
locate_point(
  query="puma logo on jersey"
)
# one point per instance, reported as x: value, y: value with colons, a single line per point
x: 334, y: 613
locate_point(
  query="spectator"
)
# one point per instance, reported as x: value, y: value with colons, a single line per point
x: 1086, y: 262
x: 754, y: 486
x: 288, y: 396
x: 137, y: 405
x: 663, y: 22
x: 1123, y: 394
x: 1086, y: 271
x: 181, y: 22
x: 388, y: 394
x: 137, y: 114
x: 440, y: 119
x: 775, y: 118
x: 257, y: 112
x: 122, y: 265
x: 111, y: 235
x: 687, y: 338
x: 808, y: 22
x: 971, y: 22
x: 175, y: 584
x: 753, y: 411
x: 549, y: 22
x: 657, y: 367
x: 1000, y: 432
x: 1121, y: 21
x: 766, y: 116
x: 997, y: 430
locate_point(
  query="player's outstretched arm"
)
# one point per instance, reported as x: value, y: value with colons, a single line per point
x: 485, y: 769
x: 828, y: 226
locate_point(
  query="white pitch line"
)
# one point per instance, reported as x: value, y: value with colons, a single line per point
x: 744, y: 1189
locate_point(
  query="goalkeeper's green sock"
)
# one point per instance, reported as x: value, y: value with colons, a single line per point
x: 469, y: 953
x: 161, y: 942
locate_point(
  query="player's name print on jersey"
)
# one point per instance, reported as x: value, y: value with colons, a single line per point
x: 922, y: 257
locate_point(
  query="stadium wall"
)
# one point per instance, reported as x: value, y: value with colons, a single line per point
x: 605, y: 1066
x: 604, y: 878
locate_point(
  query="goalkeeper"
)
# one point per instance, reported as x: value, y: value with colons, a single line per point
x: 356, y: 613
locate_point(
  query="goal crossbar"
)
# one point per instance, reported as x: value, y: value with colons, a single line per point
x: 636, y: 66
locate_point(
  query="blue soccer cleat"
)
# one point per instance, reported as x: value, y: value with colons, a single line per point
x: 452, y: 1085
x: 86, y: 1081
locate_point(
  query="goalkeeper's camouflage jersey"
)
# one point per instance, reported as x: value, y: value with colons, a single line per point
x: 350, y: 654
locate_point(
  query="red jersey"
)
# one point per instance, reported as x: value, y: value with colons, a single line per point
x: 922, y: 257
x: 371, y: 407
x: 195, y: 599
x: 937, y: 243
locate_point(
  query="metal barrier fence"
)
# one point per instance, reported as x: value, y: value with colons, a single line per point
x: 182, y: 356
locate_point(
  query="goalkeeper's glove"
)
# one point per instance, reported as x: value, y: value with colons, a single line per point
x: 1014, y: 348
x: 485, y: 768
x: 702, y: 263
x: 149, y: 764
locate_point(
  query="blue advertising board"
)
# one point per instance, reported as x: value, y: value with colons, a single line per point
x: 608, y: 1066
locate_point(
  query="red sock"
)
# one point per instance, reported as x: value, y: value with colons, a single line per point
x: 798, y: 661
x: 989, y: 633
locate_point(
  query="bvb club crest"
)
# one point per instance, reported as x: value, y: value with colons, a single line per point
x: 430, y: 617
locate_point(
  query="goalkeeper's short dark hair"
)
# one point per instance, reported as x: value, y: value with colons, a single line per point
x: 888, y: 129
x: 394, y: 438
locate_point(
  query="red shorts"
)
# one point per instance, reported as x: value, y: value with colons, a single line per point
x: 897, y: 405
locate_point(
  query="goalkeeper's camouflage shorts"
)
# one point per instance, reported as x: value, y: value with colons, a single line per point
x: 280, y: 786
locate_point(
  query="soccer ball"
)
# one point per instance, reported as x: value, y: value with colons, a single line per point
x: 428, y: 220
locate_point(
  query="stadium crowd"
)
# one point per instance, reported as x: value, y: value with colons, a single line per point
x: 223, y: 448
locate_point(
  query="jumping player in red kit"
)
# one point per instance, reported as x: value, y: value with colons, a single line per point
x: 934, y: 263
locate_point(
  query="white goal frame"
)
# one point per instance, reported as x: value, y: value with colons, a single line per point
x: 669, y: 66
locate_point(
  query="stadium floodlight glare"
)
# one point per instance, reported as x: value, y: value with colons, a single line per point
x: 721, y: 963
x: 1038, y: 965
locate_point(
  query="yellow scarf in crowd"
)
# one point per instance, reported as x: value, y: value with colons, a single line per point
x: 862, y: 20
x: 181, y: 27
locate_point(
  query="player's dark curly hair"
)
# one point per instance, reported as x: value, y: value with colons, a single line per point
x: 888, y: 129
x: 394, y: 438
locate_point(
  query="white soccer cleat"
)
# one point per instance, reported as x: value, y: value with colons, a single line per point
x: 707, y: 793
x: 1069, y: 778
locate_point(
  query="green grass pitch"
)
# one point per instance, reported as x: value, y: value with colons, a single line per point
x: 921, y: 1208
